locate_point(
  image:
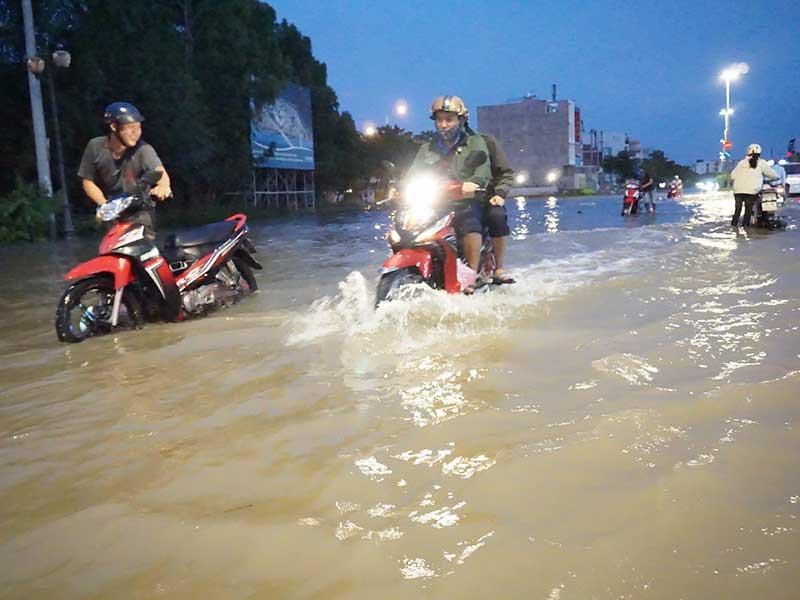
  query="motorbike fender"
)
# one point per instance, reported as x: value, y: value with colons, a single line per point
x: 410, y: 257
x: 247, y: 259
x: 117, y: 266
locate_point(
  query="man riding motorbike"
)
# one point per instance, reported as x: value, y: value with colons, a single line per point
x: 446, y: 154
x: 112, y: 164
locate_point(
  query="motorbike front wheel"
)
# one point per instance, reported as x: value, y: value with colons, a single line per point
x: 85, y: 310
x: 391, y: 283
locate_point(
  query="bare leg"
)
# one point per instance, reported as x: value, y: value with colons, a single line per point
x: 472, y: 249
x: 499, y: 246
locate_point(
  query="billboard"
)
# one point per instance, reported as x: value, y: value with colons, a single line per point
x: 281, y: 134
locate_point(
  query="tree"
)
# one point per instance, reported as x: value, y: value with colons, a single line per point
x: 622, y: 165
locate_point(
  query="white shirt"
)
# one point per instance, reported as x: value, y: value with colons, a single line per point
x: 747, y: 180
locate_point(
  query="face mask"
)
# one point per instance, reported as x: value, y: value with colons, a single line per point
x: 754, y: 160
x: 449, y: 136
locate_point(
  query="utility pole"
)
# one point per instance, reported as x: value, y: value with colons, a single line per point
x: 37, y: 110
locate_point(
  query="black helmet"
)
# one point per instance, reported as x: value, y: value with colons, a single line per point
x: 122, y: 112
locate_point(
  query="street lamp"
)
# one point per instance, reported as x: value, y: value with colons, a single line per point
x: 370, y: 130
x: 552, y: 176
x: 732, y: 73
x: 401, y: 108
x: 36, y: 65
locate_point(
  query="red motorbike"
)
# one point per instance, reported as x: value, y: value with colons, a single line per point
x: 131, y: 280
x: 630, y: 201
x: 424, y: 243
x: 675, y: 189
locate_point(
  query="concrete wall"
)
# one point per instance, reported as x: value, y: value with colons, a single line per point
x: 538, y: 136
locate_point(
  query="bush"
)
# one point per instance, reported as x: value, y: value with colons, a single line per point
x: 25, y: 214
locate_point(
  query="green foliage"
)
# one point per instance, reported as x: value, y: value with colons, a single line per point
x: 25, y: 214
x: 662, y: 168
x: 192, y: 67
x: 394, y: 144
x: 622, y: 165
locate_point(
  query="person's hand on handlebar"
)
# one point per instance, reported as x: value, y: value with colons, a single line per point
x: 468, y: 189
x: 161, y: 190
x: 497, y: 201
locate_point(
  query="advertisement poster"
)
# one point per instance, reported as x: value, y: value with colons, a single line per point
x: 281, y: 134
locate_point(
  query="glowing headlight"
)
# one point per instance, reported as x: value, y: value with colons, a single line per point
x: 394, y: 237
x: 420, y: 195
x: 422, y: 191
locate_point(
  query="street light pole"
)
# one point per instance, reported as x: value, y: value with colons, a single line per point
x: 69, y: 230
x: 727, y: 106
x: 37, y: 110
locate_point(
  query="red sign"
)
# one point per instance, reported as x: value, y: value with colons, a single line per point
x: 727, y: 144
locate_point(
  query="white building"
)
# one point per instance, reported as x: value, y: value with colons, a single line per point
x: 703, y: 167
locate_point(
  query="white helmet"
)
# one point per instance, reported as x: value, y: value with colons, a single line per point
x: 753, y: 149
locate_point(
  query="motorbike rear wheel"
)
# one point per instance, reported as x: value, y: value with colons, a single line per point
x: 84, y: 310
x: 391, y: 283
x: 247, y: 274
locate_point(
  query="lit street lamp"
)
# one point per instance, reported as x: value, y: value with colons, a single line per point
x: 401, y: 108
x: 370, y: 130
x: 36, y: 65
x: 552, y: 176
x: 732, y: 73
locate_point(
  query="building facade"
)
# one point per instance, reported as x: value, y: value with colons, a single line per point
x: 705, y: 167
x: 538, y: 136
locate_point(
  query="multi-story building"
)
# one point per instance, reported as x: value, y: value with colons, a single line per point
x: 704, y: 167
x: 538, y: 136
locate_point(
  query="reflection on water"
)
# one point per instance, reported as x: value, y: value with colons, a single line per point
x: 551, y: 216
x: 522, y: 221
x: 622, y: 422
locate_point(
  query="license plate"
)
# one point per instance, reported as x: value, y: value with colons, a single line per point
x: 770, y: 206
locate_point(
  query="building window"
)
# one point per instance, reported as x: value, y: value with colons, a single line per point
x: 552, y: 107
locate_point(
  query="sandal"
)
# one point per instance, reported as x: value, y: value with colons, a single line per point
x: 503, y: 277
x: 469, y: 290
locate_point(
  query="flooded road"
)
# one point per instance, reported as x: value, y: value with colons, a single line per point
x: 624, y: 422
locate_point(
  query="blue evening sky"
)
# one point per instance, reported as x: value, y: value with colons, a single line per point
x: 649, y: 69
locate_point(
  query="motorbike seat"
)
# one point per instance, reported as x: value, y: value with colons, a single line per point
x: 206, y: 234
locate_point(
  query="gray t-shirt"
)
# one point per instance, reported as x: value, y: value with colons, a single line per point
x: 116, y: 176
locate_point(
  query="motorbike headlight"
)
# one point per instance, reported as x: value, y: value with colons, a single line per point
x: 429, y: 232
x: 114, y: 208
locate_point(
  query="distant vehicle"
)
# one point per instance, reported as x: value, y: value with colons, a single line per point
x: 630, y: 201
x: 792, y: 178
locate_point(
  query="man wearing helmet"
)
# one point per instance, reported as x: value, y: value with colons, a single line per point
x: 748, y: 177
x: 446, y: 153
x: 112, y: 164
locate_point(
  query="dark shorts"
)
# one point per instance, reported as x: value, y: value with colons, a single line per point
x: 469, y: 219
x: 496, y: 219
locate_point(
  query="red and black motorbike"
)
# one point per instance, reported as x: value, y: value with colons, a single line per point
x: 630, y: 201
x: 424, y: 243
x: 131, y: 280
x: 675, y: 189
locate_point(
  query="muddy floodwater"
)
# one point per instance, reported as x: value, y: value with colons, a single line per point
x: 623, y: 422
